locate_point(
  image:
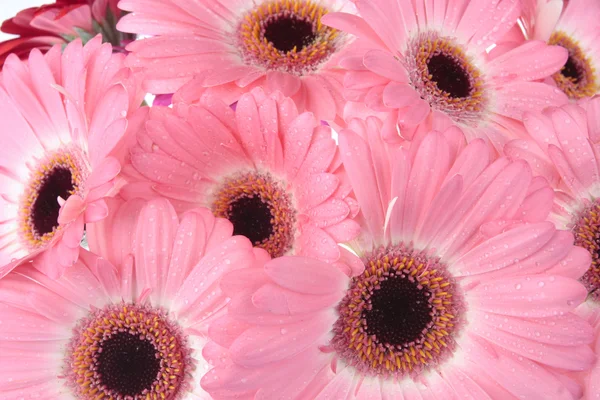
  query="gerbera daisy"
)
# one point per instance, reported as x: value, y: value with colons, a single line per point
x: 575, y: 29
x: 463, y: 290
x: 233, y: 46
x: 129, y: 331
x: 64, y: 116
x: 60, y: 23
x: 428, y: 61
x: 565, y: 150
x: 272, y: 172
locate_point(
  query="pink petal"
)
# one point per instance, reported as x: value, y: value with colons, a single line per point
x: 261, y: 345
x: 531, y: 61
x: 399, y: 95
x: 529, y: 296
x: 297, y: 141
x: 277, y: 300
x: 305, y: 275
x: 561, y: 330
x: 383, y: 63
x: 503, y: 249
x: 73, y: 233
x: 72, y: 208
x: 107, y: 170
x: 96, y: 211
x: 565, y: 357
x: 288, y: 84
x: 315, y: 242
x: 154, y: 239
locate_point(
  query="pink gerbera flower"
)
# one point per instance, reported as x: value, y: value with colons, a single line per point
x: 233, y: 46
x: 63, y: 117
x: 272, y: 172
x: 129, y: 331
x: 575, y: 29
x: 565, y: 149
x: 427, y: 66
x: 60, y: 23
x: 462, y: 290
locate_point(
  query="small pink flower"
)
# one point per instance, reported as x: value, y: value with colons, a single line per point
x: 130, y: 325
x: 59, y: 23
x: 574, y: 27
x: 426, y: 65
x: 229, y: 47
x: 274, y: 173
x: 65, y: 117
x: 462, y: 289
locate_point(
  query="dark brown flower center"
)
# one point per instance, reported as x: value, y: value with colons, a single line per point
x: 287, y: 35
x: 127, y: 364
x: 445, y: 77
x: 128, y: 351
x: 399, y: 311
x: 60, y: 175
x: 260, y: 209
x: 577, y: 77
x: 288, y: 32
x: 251, y: 217
x: 449, y: 75
x: 45, y: 209
x: 400, y: 316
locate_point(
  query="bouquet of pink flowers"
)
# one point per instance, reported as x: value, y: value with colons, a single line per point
x: 300, y: 199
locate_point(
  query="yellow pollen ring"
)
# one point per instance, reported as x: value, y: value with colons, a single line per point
x: 418, y: 55
x: 60, y: 159
x: 365, y: 351
x: 81, y: 363
x: 270, y: 192
x: 587, y: 235
x: 586, y: 85
x: 256, y: 48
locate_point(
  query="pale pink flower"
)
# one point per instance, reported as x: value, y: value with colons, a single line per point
x: 129, y: 330
x: 462, y: 290
x: 274, y: 173
x: 565, y: 149
x: 574, y: 27
x: 232, y: 46
x: 64, y: 119
x: 428, y: 67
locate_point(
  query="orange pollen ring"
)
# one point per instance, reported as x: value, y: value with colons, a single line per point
x: 66, y: 159
x: 585, y: 83
x: 270, y: 193
x: 587, y: 235
x: 435, y: 343
x: 257, y: 49
x: 420, y: 51
x: 149, y: 324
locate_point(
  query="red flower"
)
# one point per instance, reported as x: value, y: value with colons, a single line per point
x: 61, y: 22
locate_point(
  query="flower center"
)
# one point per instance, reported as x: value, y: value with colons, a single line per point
x: 400, y: 316
x: 127, y: 364
x: 449, y: 75
x: 289, y: 32
x: 127, y: 351
x: 445, y: 77
x: 59, y: 175
x: 259, y: 209
x: 587, y: 235
x: 287, y: 35
x: 577, y: 78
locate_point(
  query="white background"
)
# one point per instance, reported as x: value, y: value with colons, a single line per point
x: 8, y: 9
